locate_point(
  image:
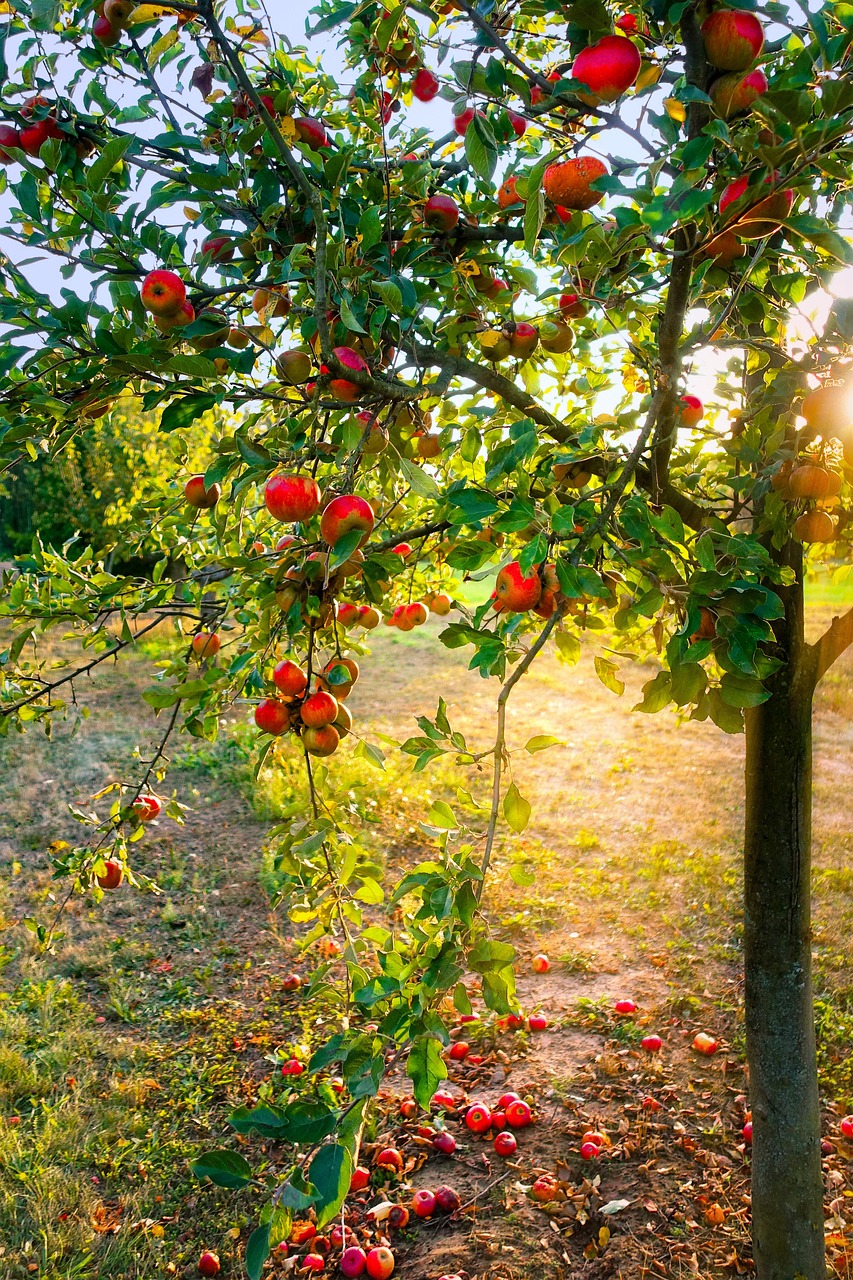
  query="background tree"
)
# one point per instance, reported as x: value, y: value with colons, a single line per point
x: 488, y: 379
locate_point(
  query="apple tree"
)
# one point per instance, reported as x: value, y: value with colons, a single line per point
x: 460, y: 351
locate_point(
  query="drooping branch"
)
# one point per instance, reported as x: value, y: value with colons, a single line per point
x: 837, y: 638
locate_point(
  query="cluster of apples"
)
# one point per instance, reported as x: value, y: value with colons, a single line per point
x: 111, y: 19
x: 817, y: 478
x: 734, y: 39
x: 40, y: 124
x: 319, y: 716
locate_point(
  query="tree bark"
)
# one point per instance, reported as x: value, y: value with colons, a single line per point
x: 787, y: 1186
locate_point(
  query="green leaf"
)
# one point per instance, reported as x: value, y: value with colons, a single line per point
x: 266, y: 1120
x: 656, y: 694
x: 370, y: 230
x: 426, y: 1068
x: 330, y: 1173
x: 257, y: 1251
x: 441, y: 815
x: 521, y: 877
x: 516, y: 809
x: 568, y: 647
x: 111, y: 154
x: 183, y: 412
x: 224, y: 1168
x: 480, y: 147
x: 542, y: 742
x: 422, y: 483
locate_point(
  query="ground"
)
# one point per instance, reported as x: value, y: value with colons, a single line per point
x: 122, y: 1053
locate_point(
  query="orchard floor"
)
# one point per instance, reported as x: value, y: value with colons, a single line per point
x: 122, y: 1053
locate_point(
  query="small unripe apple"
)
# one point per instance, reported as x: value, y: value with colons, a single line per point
x: 118, y: 11
x: 293, y: 367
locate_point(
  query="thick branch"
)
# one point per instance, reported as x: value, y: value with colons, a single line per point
x: 837, y: 638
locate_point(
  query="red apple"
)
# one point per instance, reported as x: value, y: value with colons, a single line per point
x: 402, y: 549
x: 607, y: 68
x: 289, y: 678
x: 545, y: 1188
x: 198, y: 496
x: 292, y: 498
x: 293, y: 1067
x: 506, y: 1144
x: 302, y: 1232
x: 703, y: 1043
x: 218, y: 248
x: 478, y: 1118
x: 423, y: 1204
x: 506, y: 1098
x: 540, y: 963
x: 342, y: 388
x: 293, y: 367
x: 537, y: 1022
x: 9, y: 137
x: 443, y: 1100
x: 390, y: 1158
x: 206, y: 644
x: 524, y: 340
x: 441, y: 213
x: 360, y: 1179
x: 518, y: 1114
x: 650, y: 1104
x: 319, y: 709
x: 444, y: 1142
x: 652, y: 1043
x: 106, y: 32
x: 425, y: 85
x: 572, y: 306
x: 291, y: 982
x: 272, y: 716
x: 758, y: 216
x: 208, y: 1264
x: 733, y: 39
x: 313, y: 1262
x: 33, y: 136
x: 516, y: 592
x: 344, y: 513
x: 459, y: 1051
x: 353, y: 1261
x: 732, y: 93
x: 311, y: 132
x: 519, y: 124
x: 846, y: 1126
x: 146, y: 807
x: 112, y: 875
x: 446, y: 1200
x: 691, y: 411
x: 625, y: 1007
x: 461, y: 122
x: 380, y: 1263
x: 163, y: 293
x: 589, y: 1150
x: 627, y: 24
x: 747, y: 1133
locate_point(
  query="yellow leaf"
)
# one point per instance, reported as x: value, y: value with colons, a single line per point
x: 675, y: 110
x: 192, y: 214
x: 603, y: 1237
x: 233, y: 1233
x: 148, y: 13
x: 650, y: 73
x: 162, y: 45
x: 287, y: 126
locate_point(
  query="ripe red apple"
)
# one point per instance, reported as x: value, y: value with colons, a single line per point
x: 846, y: 1126
x: 627, y: 24
x: 589, y: 1150
x: 390, y: 1158
x: 515, y: 591
x: 524, y: 340
x: 625, y: 1007
x: 461, y: 122
x: 313, y: 1262
x: 703, y: 1043
x: 444, y: 1142
x: 346, y: 512
x: 112, y: 875
x: 293, y: 1067
x: 423, y: 1204
x: 272, y: 716
x: 441, y: 213
x: 732, y: 93
x: 208, y: 1264
x: 380, y: 1263
x: 733, y: 39
x: 540, y: 963
x: 291, y: 982
x: 650, y: 1104
x: 105, y: 32
x: 443, y: 1100
x: 33, y: 136
x: 9, y: 137
x: 691, y: 411
x: 652, y: 1043
x: 291, y: 498
x: 759, y: 217
x: 408, y: 1108
x: 607, y: 68
x: 289, y: 678
x: 206, y: 644
x: 319, y: 709
x: 163, y: 293
x: 519, y: 124
x: 506, y: 1144
x: 353, y: 1261
x: 147, y: 807
x: 425, y: 85
x: 197, y: 496
x: 459, y: 1051
x: 518, y: 1114
x: 537, y: 1022
x: 402, y: 549
x: 218, y: 248
x: 360, y: 1178
x: 311, y: 132
x: 446, y: 1200
x: 478, y: 1118
x: 506, y: 1098
x: 747, y: 1133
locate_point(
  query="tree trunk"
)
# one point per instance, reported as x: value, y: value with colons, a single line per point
x: 787, y: 1186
